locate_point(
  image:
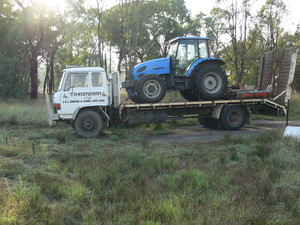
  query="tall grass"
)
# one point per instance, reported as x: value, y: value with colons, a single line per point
x: 17, y: 112
x: 48, y: 176
x: 294, y: 108
x: 237, y: 180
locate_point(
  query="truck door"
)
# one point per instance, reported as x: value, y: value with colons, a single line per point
x: 76, y: 92
x: 99, y: 88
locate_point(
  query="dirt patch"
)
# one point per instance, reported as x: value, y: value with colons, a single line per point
x: 200, y: 133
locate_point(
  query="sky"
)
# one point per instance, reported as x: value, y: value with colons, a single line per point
x: 293, y: 6
x: 197, y: 6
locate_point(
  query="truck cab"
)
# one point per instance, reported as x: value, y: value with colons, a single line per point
x: 86, y: 87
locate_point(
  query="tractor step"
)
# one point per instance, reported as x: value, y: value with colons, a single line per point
x: 182, y: 83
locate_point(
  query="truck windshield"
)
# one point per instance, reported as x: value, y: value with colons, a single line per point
x: 76, y: 80
x: 61, y: 81
x: 172, y: 50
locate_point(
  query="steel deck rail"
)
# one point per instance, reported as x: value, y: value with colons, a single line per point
x: 203, y: 104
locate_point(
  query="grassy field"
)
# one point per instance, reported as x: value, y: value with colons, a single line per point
x: 50, y: 176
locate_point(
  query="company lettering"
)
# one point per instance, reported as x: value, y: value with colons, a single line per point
x: 86, y: 93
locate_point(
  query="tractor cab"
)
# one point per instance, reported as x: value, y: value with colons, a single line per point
x: 184, y: 51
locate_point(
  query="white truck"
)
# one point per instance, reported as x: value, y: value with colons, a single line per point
x: 89, y: 99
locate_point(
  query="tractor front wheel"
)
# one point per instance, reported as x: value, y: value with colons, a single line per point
x: 151, y: 89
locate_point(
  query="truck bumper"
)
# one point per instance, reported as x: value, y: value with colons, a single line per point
x: 51, y: 115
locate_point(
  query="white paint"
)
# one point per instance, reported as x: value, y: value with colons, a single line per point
x: 292, y: 131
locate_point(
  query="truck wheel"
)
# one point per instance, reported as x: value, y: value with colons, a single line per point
x: 210, y: 81
x: 233, y: 118
x: 88, y: 124
x: 209, y: 122
x: 151, y: 88
x: 189, y: 95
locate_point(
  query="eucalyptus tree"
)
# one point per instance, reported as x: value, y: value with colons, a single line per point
x: 33, y: 22
x: 13, y: 58
x: 271, y: 17
x: 56, y: 33
x: 140, y: 28
x: 234, y: 26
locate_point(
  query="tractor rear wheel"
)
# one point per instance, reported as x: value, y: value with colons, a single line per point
x: 189, y: 95
x: 210, y: 81
x: 151, y: 89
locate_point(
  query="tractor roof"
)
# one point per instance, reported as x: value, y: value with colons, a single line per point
x: 188, y: 38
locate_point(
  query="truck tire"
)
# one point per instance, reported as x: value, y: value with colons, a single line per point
x: 210, y: 81
x: 233, y: 118
x: 209, y: 122
x: 88, y: 124
x: 189, y: 95
x: 151, y: 89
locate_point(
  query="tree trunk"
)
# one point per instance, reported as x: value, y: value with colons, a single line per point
x: 34, y: 76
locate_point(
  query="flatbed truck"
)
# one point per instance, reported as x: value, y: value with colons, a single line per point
x: 89, y: 100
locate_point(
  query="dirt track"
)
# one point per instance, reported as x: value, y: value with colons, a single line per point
x: 199, y: 133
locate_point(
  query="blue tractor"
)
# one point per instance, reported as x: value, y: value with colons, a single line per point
x: 187, y: 68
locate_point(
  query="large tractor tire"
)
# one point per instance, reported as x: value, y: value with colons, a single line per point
x: 88, y: 124
x: 151, y: 89
x: 189, y: 95
x: 210, y: 81
x: 233, y: 118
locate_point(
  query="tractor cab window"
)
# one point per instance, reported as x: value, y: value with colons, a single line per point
x: 203, y: 49
x: 172, y: 50
x: 76, y: 80
x: 186, y: 54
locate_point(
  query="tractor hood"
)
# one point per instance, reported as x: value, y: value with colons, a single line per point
x: 156, y: 66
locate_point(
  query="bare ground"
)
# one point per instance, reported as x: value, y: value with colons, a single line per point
x: 199, y: 133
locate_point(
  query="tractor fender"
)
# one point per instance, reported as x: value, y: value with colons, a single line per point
x: 197, y: 62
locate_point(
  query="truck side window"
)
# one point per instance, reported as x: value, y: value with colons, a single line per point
x: 76, y: 80
x: 97, y: 79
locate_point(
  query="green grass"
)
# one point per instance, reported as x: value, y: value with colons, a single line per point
x: 236, y: 180
x: 49, y: 176
x: 16, y: 112
x: 294, y: 107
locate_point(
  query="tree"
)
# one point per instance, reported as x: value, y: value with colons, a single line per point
x: 13, y: 76
x: 56, y: 30
x: 139, y: 28
x: 271, y: 17
x: 33, y: 24
x: 237, y: 23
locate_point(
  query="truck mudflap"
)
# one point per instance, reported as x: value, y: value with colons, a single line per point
x: 51, y: 115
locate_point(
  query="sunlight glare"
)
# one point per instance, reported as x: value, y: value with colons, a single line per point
x: 55, y: 4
